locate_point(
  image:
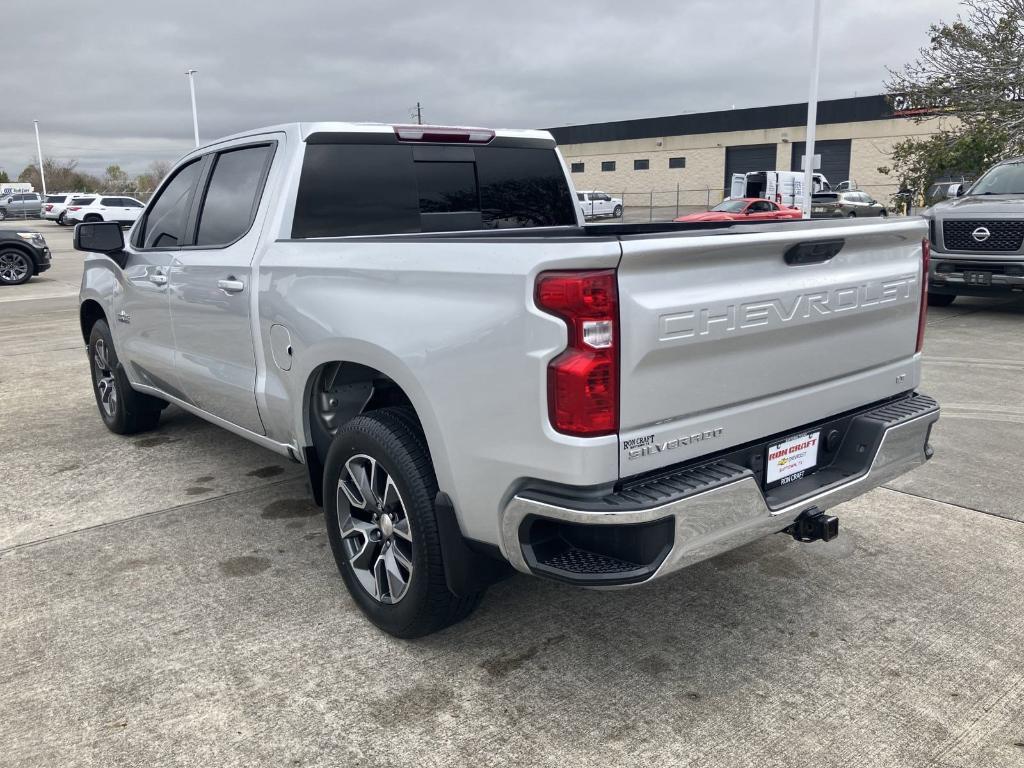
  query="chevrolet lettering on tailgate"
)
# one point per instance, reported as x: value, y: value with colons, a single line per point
x: 728, y: 318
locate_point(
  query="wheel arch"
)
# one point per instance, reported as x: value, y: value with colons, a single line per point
x: 88, y: 313
x: 336, y: 391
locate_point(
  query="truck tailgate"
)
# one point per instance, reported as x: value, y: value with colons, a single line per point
x: 723, y: 342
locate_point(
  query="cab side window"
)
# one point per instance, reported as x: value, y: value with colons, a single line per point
x: 233, y: 195
x: 166, y: 223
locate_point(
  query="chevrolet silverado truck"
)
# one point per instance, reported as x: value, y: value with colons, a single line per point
x: 477, y: 381
x: 977, y: 239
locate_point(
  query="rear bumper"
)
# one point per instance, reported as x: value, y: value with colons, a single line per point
x: 676, y: 519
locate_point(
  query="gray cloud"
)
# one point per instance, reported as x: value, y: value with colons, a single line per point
x: 106, y: 79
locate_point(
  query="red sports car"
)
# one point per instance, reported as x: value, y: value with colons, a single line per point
x: 745, y: 209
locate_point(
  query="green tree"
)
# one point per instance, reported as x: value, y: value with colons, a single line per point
x: 4, y: 178
x: 970, y: 76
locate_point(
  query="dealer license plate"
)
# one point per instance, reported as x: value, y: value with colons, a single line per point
x: 791, y: 459
x: 978, y: 278
x: 817, y: 210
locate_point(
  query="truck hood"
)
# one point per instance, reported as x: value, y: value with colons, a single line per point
x: 979, y: 205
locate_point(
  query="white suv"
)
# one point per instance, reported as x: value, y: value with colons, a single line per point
x: 55, y: 206
x: 124, y: 210
x: 594, y: 203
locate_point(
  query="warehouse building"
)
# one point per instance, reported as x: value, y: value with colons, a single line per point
x: 692, y: 157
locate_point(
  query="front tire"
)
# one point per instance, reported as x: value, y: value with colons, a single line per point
x: 941, y: 299
x: 62, y: 219
x: 379, y: 491
x: 617, y: 213
x: 852, y: 215
x: 123, y: 410
x: 16, y: 267
x: 3, y: 214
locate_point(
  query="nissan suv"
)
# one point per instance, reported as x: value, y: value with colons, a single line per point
x: 977, y: 239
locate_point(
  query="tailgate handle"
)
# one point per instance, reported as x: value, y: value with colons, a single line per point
x: 813, y: 251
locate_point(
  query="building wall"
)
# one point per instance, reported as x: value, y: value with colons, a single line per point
x: 702, y: 178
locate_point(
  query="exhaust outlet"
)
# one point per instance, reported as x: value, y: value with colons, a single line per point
x: 814, y: 525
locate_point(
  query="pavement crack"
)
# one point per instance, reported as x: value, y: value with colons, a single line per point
x: 950, y: 503
x: 151, y: 513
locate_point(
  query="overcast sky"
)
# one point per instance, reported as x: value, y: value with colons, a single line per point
x: 105, y: 79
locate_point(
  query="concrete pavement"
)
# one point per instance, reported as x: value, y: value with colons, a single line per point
x: 170, y: 599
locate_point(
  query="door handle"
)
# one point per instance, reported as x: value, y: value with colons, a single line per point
x: 158, y: 278
x: 231, y: 285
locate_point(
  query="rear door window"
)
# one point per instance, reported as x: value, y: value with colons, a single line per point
x: 383, y: 189
x: 232, y: 195
x: 111, y: 202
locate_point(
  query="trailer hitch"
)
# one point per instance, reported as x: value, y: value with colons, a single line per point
x: 814, y: 525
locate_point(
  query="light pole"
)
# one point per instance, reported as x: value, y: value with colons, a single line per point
x: 190, y: 73
x: 39, y: 154
x: 812, y: 110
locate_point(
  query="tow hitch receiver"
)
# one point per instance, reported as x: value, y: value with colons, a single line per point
x: 814, y: 525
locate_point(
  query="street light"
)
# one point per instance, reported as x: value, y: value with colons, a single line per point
x: 39, y: 154
x: 192, y: 88
x: 812, y: 110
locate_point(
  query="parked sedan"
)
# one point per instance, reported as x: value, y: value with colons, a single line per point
x: 838, y: 205
x: 22, y: 255
x: 124, y: 210
x: 745, y: 209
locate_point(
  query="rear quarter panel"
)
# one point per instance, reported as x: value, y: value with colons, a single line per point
x: 453, y: 323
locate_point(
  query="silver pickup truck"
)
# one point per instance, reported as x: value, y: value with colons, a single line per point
x: 475, y: 379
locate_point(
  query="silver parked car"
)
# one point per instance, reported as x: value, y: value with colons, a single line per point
x: 850, y: 204
x: 22, y: 205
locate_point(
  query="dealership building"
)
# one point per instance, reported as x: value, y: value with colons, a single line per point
x: 693, y: 156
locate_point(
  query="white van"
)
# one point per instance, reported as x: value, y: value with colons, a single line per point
x: 784, y: 187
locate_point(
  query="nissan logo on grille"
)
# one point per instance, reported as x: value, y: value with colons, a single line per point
x: 981, y: 234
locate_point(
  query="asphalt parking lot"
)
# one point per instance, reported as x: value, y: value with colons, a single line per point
x: 170, y: 599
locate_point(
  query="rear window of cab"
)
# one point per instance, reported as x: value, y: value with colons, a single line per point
x: 349, y: 189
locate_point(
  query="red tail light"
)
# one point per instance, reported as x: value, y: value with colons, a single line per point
x: 75, y: 208
x: 926, y: 254
x: 583, y: 381
x: 49, y: 207
x: 443, y: 135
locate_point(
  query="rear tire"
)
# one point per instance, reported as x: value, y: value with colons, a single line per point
x: 3, y: 214
x: 122, y: 409
x: 941, y: 299
x: 93, y: 217
x: 61, y: 220
x: 379, y: 491
x: 852, y: 215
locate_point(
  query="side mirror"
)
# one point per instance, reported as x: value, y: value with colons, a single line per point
x: 961, y: 190
x: 103, y: 237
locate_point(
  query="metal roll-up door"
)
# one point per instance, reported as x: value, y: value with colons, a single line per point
x: 747, y: 158
x: 835, y: 158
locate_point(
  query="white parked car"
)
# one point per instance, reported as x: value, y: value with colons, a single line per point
x: 594, y: 204
x: 55, y: 206
x: 124, y: 210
